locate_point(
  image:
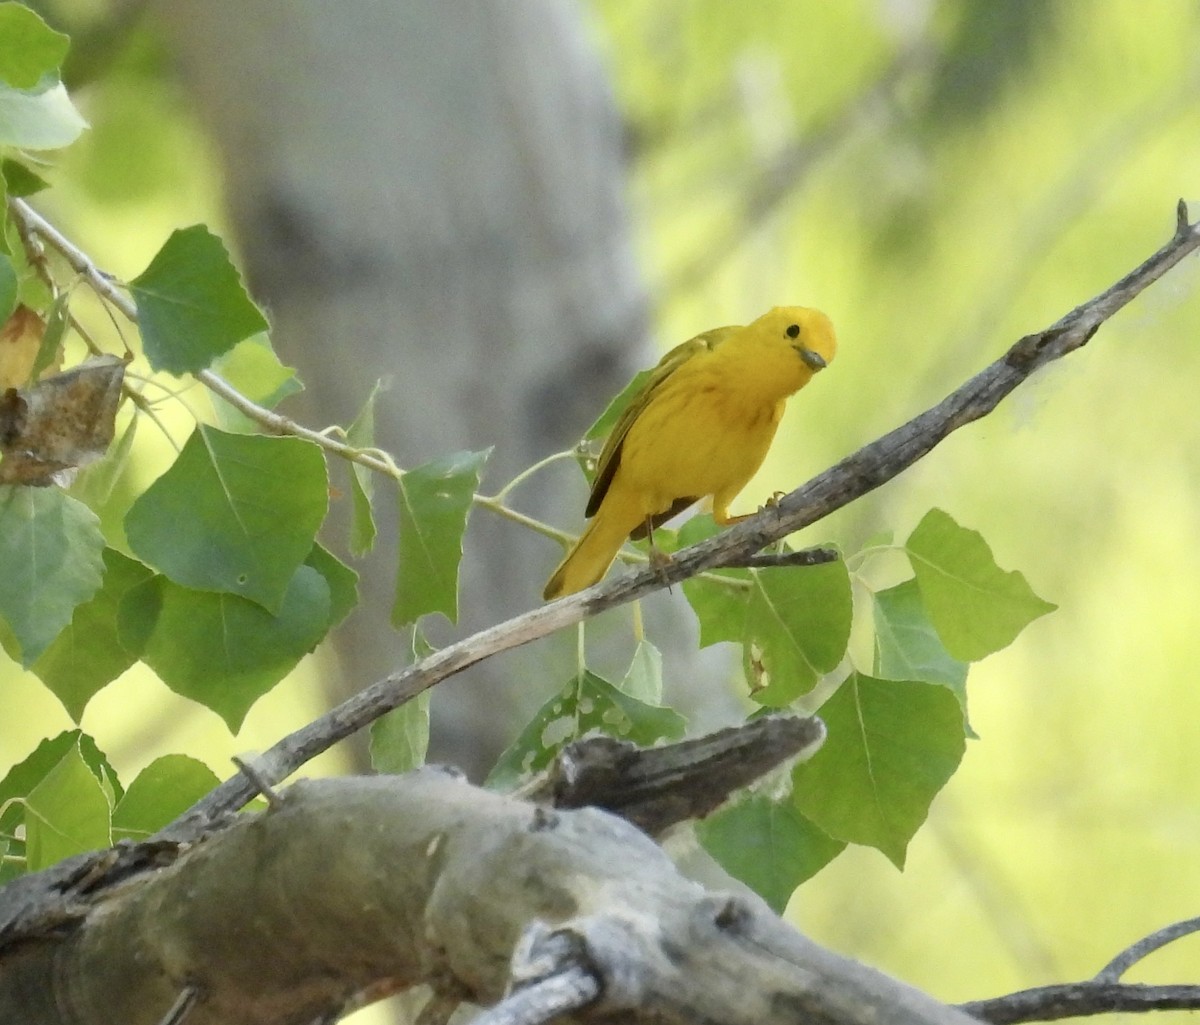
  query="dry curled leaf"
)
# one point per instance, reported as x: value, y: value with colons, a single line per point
x: 60, y: 423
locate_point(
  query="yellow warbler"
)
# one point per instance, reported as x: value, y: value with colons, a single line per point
x: 701, y: 425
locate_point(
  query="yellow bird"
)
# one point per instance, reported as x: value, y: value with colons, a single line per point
x: 701, y: 425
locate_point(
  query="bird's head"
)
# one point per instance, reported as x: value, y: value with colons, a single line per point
x: 806, y: 330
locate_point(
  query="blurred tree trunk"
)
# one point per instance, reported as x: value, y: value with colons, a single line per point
x: 432, y: 193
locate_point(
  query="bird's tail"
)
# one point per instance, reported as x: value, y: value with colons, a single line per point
x: 590, y: 556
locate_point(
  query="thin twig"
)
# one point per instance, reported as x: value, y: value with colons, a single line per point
x: 31, y: 225
x: 769, y: 560
x: 250, y: 771
x: 178, y: 1012
x: 855, y: 476
x: 1135, y: 952
x: 1076, y: 999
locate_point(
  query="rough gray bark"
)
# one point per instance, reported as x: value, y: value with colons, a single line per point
x: 432, y: 193
x: 387, y: 882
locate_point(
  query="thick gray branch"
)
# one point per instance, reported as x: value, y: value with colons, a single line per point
x: 386, y: 882
x: 858, y: 474
x: 655, y: 788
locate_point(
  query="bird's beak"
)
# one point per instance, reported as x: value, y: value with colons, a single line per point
x: 813, y: 359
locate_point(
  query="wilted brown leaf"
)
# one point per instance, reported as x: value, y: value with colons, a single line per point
x: 60, y: 423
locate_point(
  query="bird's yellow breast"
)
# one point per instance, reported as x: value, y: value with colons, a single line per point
x: 708, y: 428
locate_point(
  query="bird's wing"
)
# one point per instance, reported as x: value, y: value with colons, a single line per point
x: 610, y: 457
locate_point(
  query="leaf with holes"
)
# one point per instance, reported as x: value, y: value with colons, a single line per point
x: 587, y: 704
x: 796, y: 629
x: 891, y: 746
x: 235, y: 513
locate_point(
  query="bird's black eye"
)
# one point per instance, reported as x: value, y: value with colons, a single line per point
x: 793, y: 331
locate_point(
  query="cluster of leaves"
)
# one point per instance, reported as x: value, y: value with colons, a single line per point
x: 897, y: 727
x: 217, y: 581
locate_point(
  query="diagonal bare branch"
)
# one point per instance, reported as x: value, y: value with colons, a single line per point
x: 864, y: 471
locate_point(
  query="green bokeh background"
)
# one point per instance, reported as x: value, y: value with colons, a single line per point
x: 941, y: 178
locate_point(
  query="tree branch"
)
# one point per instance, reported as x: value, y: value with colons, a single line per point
x: 656, y: 788
x: 438, y: 882
x: 1076, y: 999
x: 1102, y: 994
x: 853, y: 477
x: 864, y: 471
x: 1135, y: 952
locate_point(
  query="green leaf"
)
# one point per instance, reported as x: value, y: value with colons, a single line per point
x: 191, y: 303
x: 975, y: 606
x: 434, y: 502
x: 880, y: 539
x: 644, y: 680
x: 768, y: 845
x: 587, y: 704
x: 891, y: 746
x: 400, y: 738
x: 58, y: 317
x: 253, y: 369
x: 612, y: 412
x: 21, y: 181
x: 605, y: 423
x: 8, y: 287
x: 361, y: 434
x: 235, y: 513
x: 720, y: 608
x: 40, y: 118
x: 223, y: 651
x: 29, y: 48
x: 342, y: 581
x: 51, y: 560
x: 27, y: 773
x: 162, y: 791
x: 88, y: 654
x: 906, y: 645
x: 796, y: 630
x: 66, y: 813
x: 95, y: 483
